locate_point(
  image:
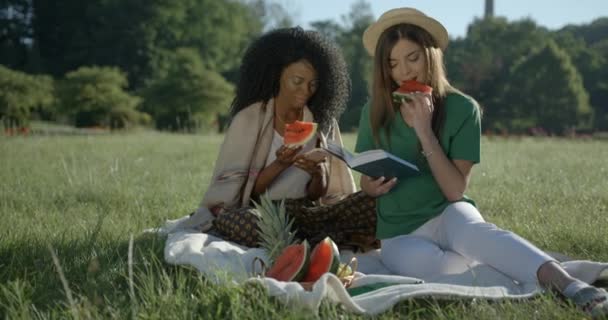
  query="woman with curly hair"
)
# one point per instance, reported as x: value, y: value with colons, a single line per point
x: 286, y: 75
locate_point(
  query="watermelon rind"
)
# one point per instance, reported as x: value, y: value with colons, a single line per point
x: 398, y: 96
x: 335, y: 262
x: 318, y: 267
x: 288, y: 267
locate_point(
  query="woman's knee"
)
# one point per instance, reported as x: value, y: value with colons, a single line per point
x: 412, y: 256
x: 462, y: 212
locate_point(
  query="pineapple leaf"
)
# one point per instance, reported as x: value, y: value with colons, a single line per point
x: 275, y: 227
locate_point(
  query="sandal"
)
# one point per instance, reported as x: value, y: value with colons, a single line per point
x: 593, y: 301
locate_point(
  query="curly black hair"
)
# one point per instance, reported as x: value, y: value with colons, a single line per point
x: 272, y: 52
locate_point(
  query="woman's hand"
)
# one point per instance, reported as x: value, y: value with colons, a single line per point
x: 419, y: 110
x: 312, y: 165
x: 376, y: 187
x: 286, y: 156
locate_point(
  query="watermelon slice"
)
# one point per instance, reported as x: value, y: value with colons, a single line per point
x: 292, y: 264
x: 408, y: 87
x: 299, y: 133
x: 324, y: 258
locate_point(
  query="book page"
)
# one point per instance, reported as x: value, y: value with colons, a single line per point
x: 378, y: 154
x: 339, y: 152
x: 368, y: 156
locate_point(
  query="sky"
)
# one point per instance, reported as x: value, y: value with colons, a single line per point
x: 454, y: 15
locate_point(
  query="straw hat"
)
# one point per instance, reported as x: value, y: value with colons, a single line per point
x: 404, y: 15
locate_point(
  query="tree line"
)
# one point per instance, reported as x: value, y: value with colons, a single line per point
x: 172, y: 64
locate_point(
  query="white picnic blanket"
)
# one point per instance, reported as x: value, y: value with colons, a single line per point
x: 221, y: 260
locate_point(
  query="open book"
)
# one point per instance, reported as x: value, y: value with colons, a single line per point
x: 374, y: 163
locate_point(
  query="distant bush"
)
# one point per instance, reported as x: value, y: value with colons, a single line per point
x: 96, y: 97
x: 20, y: 94
x: 189, y: 96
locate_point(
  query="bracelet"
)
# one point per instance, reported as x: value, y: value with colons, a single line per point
x: 428, y: 154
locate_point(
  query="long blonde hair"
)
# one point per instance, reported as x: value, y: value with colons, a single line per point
x: 382, y: 110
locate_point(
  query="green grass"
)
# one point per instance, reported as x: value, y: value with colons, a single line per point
x: 84, y: 196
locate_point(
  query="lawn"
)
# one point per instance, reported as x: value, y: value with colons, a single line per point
x: 79, y: 199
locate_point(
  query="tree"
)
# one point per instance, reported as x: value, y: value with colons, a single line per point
x: 268, y: 15
x: 96, y: 96
x: 20, y: 94
x: 272, y: 14
x: 547, y: 91
x: 591, y: 33
x: 358, y: 60
x: 138, y: 36
x: 189, y: 96
x: 61, y: 31
x: 592, y: 62
x: 15, y: 33
x: 328, y: 28
x: 480, y: 64
x: 348, y: 37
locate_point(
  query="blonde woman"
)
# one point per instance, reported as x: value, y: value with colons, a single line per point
x: 427, y: 224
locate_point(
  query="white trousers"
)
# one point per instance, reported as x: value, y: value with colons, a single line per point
x: 448, y: 243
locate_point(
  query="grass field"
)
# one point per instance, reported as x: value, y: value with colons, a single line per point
x: 80, y: 198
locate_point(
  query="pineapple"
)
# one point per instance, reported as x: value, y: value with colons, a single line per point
x: 274, y: 226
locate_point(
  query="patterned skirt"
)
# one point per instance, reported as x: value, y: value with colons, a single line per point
x: 351, y: 222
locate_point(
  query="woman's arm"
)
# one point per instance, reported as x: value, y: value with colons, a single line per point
x: 317, y: 187
x: 318, y: 171
x: 452, y: 176
x: 285, y: 158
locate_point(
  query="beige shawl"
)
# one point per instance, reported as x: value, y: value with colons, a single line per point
x: 243, y: 155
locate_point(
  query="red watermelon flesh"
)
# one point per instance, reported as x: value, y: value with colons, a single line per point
x: 299, y: 133
x: 291, y: 264
x: 324, y: 258
x: 409, y: 87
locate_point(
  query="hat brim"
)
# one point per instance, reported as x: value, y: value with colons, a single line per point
x: 432, y: 26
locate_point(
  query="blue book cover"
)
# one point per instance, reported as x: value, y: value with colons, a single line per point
x: 375, y: 163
